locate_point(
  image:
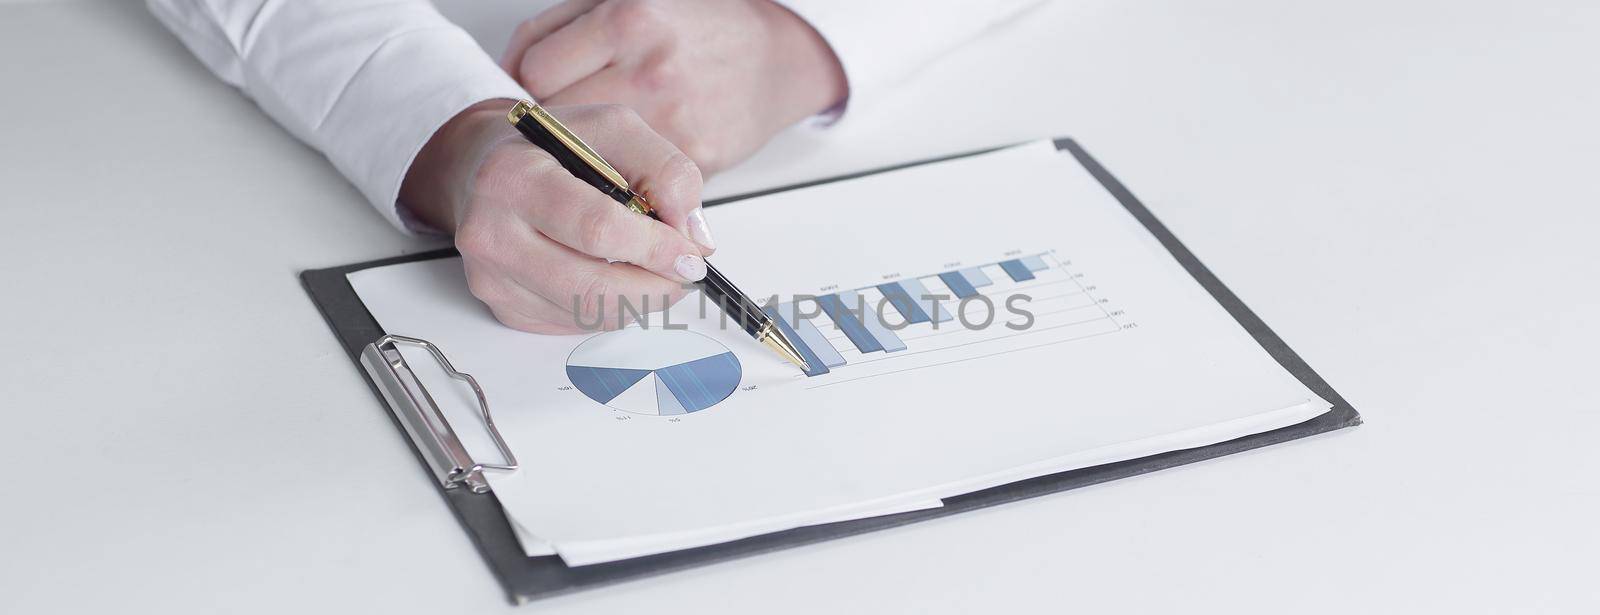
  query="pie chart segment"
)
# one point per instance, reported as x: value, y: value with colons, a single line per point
x: 641, y: 397
x: 701, y: 383
x: 666, y: 402
x: 654, y: 372
x: 603, y: 384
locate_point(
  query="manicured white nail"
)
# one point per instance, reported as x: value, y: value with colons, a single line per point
x: 691, y: 267
x: 698, y: 231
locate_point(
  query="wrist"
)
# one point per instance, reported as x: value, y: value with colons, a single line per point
x: 438, y: 183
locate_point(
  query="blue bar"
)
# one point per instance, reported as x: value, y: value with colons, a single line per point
x: 976, y: 277
x: 814, y: 341
x: 874, y: 323
x: 1035, y: 263
x: 847, y: 321
x: 917, y: 291
x: 958, y: 284
x: 1018, y: 271
x: 897, y: 295
x: 818, y: 366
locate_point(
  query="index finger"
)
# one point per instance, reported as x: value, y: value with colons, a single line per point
x: 654, y: 167
x: 534, y: 30
x: 574, y: 214
x: 574, y: 51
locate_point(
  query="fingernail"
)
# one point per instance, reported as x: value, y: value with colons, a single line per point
x: 691, y: 267
x: 698, y: 231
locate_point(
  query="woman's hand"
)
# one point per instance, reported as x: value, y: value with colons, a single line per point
x: 536, y: 241
x: 716, y: 77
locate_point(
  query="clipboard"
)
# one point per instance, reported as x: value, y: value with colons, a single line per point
x: 461, y: 478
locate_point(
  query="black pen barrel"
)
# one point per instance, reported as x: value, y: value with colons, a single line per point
x: 732, y: 300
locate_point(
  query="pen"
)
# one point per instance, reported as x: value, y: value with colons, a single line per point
x: 544, y: 131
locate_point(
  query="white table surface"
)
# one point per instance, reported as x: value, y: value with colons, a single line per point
x: 1405, y: 191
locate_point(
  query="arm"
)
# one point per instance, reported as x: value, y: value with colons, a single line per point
x: 408, y: 107
x: 366, y: 82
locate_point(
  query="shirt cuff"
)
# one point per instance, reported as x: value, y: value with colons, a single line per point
x: 412, y: 84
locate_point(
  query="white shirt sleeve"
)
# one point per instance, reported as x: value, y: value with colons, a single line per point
x: 366, y: 82
x: 882, y: 42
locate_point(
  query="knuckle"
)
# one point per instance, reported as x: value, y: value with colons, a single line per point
x: 478, y: 241
x: 483, y: 288
x: 676, y: 184
x: 595, y: 229
x: 674, y: 113
x: 633, y: 19
x: 659, y: 76
x: 506, y: 317
x: 525, y: 31
x: 698, y: 152
x: 680, y: 169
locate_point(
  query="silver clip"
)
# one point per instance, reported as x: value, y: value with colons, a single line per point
x: 424, y: 421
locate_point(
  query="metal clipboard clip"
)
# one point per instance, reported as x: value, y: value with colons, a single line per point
x: 422, y: 418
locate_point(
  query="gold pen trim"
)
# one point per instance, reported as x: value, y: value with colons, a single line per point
x: 572, y: 142
x: 639, y: 205
x: 774, y: 338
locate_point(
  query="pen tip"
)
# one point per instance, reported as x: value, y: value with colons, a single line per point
x: 785, y: 348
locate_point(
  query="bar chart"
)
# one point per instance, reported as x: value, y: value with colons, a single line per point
x: 999, y: 304
x: 963, y: 313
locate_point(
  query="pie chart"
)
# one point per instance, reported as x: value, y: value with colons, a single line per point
x: 659, y: 372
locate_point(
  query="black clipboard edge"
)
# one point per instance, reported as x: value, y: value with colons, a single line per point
x: 527, y: 578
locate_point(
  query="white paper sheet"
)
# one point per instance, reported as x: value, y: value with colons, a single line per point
x: 1127, y: 356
